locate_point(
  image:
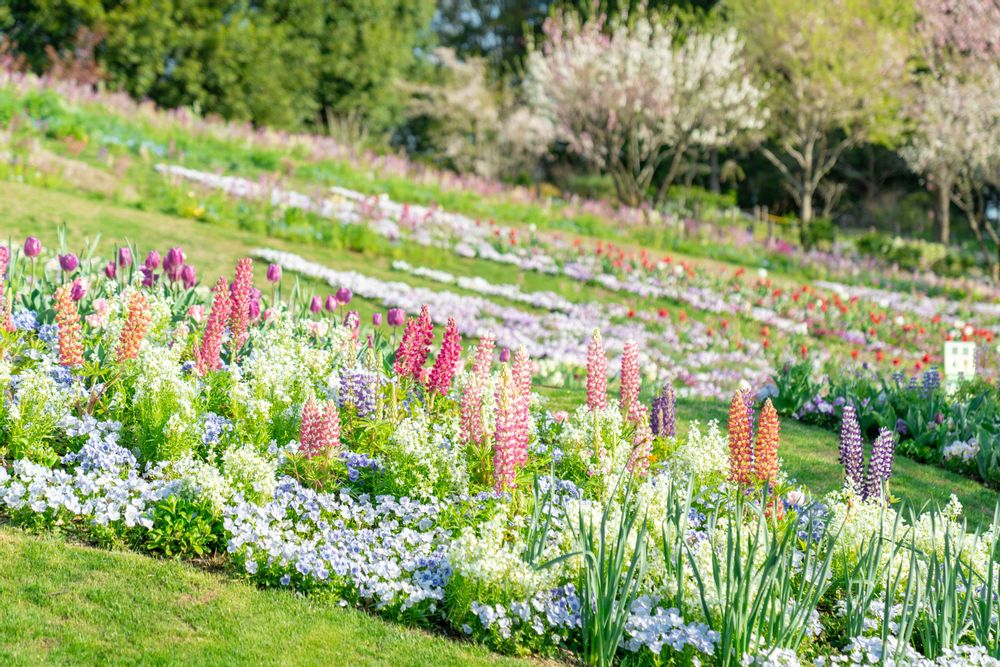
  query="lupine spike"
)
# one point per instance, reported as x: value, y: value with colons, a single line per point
x: 521, y: 377
x: 484, y: 356
x: 415, y: 346
x: 740, y: 454
x: 597, y: 373
x: 70, y: 332
x: 642, y: 444
x: 505, y: 433
x: 765, y: 453
x: 630, y: 380
x: 210, y: 353
x: 241, y: 296
x: 852, y: 450
x: 447, y: 360
x: 880, y: 463
x: 136, y: 326
x: 471, y: 409
x: 663, y: 419
x: 8, y: 313
x: 470, y: 416
x: 320, y: 430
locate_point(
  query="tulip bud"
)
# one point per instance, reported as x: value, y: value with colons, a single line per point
x: 68, y: 262
x: 32, y: 247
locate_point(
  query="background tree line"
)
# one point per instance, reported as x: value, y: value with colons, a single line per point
x: 875, y: 112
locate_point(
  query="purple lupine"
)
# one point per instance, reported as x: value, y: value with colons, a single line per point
x: 662, y: 418
x: 852, y: 455
x: 880, y: 463
x: 358, y: 388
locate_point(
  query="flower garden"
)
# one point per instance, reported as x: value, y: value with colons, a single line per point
x: 474, y: 424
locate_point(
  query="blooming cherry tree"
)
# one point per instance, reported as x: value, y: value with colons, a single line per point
x: 834, y: 71
x: 626, y: 97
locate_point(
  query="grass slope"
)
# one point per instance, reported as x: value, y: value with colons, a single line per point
x: 66, y: 604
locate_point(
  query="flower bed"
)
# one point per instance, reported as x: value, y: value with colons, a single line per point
x: 313, y: 455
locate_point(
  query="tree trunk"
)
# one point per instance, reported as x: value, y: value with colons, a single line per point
x: 805, y: 217
x: 713, y: 178
x: 944, y: 204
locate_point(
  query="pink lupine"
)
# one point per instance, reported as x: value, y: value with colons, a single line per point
x: 471, y: 412
x: 402, y: 363
x: 484, y: 356
x: 209, y: 354
x: 471, y: 409
x: 521, y: 376
x: 4, y: 261
x: 241, y: 296
x: 642, y: 444
x: 415, y: 346
x: 597, y: 373
x: 630, y: 380
x: 447, y: 360
x: 320, y: 431
x: 505, y: 436
x: 70, y: 331
x: 7, y: 321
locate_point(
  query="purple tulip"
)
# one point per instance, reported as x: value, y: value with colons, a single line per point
x: 77, y: 291
x: 189, y: 276
x: 153, y: 260
x: 316, y: 304
x: 32, y: 247
x: 344, y: 296
x: 124, y: 256
x: 505, y: 355
x: 377, y: 319
x: 111, y: 270
x: 173, y: 263
x: 149, y: 278
x: 254, y: 309
x: 331, y: 303
x: 68, y: 262
x: 274, y: 273
x: 396, y: 317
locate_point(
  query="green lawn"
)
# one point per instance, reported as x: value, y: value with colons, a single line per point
x: 71, y: 605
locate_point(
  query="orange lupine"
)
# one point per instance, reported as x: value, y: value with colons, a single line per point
x: 740, y: 455
x: 70, y: 332
x: 765, y: 460
x: 136, y: 326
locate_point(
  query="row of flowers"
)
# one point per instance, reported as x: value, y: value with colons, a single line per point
x: 869, y: 324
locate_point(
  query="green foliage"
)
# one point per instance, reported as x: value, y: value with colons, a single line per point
x: 184, y: 528
x: 756, y: 589
x: 280, y: 63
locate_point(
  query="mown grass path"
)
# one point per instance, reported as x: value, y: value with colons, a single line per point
x: 71, y: 605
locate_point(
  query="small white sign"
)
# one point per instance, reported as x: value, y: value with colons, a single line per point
x: 959, y: 362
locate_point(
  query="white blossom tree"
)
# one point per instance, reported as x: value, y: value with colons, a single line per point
x: 834, y: 70
x: 960, y: 50
x: 477, y: 127
x: 625, y: 96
